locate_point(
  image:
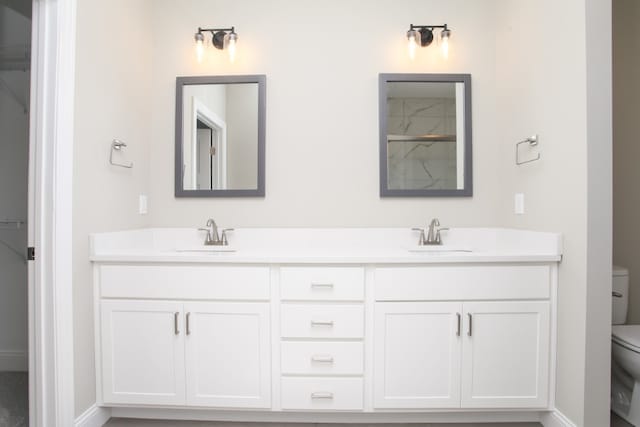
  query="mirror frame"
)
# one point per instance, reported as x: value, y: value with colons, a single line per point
x: 181, y: 82
x: 385, y: 191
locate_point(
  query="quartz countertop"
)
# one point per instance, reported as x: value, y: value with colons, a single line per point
x: 327, y: 246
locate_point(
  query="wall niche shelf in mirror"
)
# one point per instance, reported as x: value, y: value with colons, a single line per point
x: 425, y: 135
x: 220, y: 136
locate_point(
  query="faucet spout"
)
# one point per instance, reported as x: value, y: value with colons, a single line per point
x: 213, y: 238
x: 433, y: 235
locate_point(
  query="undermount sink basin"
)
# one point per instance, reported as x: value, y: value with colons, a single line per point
x: 440, y: 248
x: 206, y: 249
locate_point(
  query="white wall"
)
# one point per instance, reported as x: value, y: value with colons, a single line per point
x: 545, y: 89
x: 322, y: 61
x: 15, y: 30
x: 113, y: 100
x: 626, y: 145
x: 242, y: 136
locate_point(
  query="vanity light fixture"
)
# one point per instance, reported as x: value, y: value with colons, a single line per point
x: 221, y: 38
x: 422, y: 35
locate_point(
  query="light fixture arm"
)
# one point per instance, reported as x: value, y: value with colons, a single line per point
x: 215, y: 30
x: 429, y: 27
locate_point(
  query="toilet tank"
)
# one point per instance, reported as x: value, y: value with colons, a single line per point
x: 620, y: 298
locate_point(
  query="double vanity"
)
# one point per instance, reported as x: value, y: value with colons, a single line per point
x: 326, y: 324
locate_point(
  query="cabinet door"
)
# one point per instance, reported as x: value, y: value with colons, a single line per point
x: 505, y: 360
x: 228, y: 355
x: 417, y: 355
x: 142, y: 352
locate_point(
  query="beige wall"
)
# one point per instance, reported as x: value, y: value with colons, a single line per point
x: 626, y: 145
x: 112, y: 101
x: 322, y: 61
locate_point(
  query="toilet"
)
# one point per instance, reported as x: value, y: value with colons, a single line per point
x: 625, y: 353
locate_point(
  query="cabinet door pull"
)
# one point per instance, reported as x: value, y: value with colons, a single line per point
x: 188, y: 323
x: 322, y: 359
x: 328, y: 323
x: 175, y: 323
x: 459, y: 321
x: 316, y: 285
x: 322, y: 395
x: 470, y: 324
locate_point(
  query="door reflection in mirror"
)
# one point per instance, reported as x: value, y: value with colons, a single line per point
x: 220, y: 136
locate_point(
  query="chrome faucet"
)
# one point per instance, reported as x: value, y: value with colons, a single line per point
x: 433, y: 234
x: 213, y: 238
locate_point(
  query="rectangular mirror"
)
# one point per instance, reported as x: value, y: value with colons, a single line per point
x: 220, y: 136
x: 425, y: 135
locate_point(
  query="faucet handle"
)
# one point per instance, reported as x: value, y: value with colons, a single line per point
x: 421, y: 239
x: 223, y: 238
x: 207, y: 240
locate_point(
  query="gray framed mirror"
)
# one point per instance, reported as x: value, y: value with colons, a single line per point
x: 425, y: 135
x: 220, y: 136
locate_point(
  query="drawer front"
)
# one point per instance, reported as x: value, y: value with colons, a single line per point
x: 322, y: 321
x: 322, y: 358
x: 490, y: 282
x: 323, y: 283
x: 184, y: 282
x: 317, y: 394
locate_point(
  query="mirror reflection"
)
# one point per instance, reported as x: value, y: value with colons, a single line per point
x: 221, y: 137
x: 425, y: 135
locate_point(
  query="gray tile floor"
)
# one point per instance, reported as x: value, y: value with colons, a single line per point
x: 616, y: 421
x: 125, y: 422
x: 14, y: 399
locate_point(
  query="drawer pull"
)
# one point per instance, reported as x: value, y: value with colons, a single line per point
x: 175, y: 323
x: 327, y: 323
x: 322, y: 395
x: 321, y: 285
x: 470, y: 333
x: 188, y: 323
x: 458, y: 330
x: 322, y: 359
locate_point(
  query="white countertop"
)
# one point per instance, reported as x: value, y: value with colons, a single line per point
x: 326, y: 246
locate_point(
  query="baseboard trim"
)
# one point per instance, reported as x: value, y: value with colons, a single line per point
x: 249, y: 416
x: 95, y: 416
x: 556, y: 419
x: 15, y: 361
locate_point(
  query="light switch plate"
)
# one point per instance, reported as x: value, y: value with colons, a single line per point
x: 519, y: 204
x: 142, y: 204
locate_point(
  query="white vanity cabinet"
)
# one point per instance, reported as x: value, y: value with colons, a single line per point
x: 356, y: 329
x: 185, y: 352
x: 491, y: 353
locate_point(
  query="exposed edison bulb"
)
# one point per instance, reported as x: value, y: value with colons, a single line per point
x: 412, y: 37
x: 199, y: 37
x: 445, y: 42
x: 231, y: 46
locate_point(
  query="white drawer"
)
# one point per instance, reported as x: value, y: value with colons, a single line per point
x: 322, y: 358
x: 319, y: 394
x: 322, y: 321
x: 184, y: 282
x: 462, y: 282
x: 322, y: 283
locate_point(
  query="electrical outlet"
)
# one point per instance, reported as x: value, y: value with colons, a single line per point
x: 519, y: 204
x: 142, y: 204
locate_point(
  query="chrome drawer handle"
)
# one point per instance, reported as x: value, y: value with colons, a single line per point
x: 188, y: 323
x: 322, y: 359
x: 458, y: 329
x: 328, y: 323
x: 616, y: 294
x: 470, y: 333
x: 176, y: 331
x: 322, y: 395
x: 321, y: 285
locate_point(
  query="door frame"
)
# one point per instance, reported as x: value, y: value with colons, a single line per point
x: 51, y: 382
